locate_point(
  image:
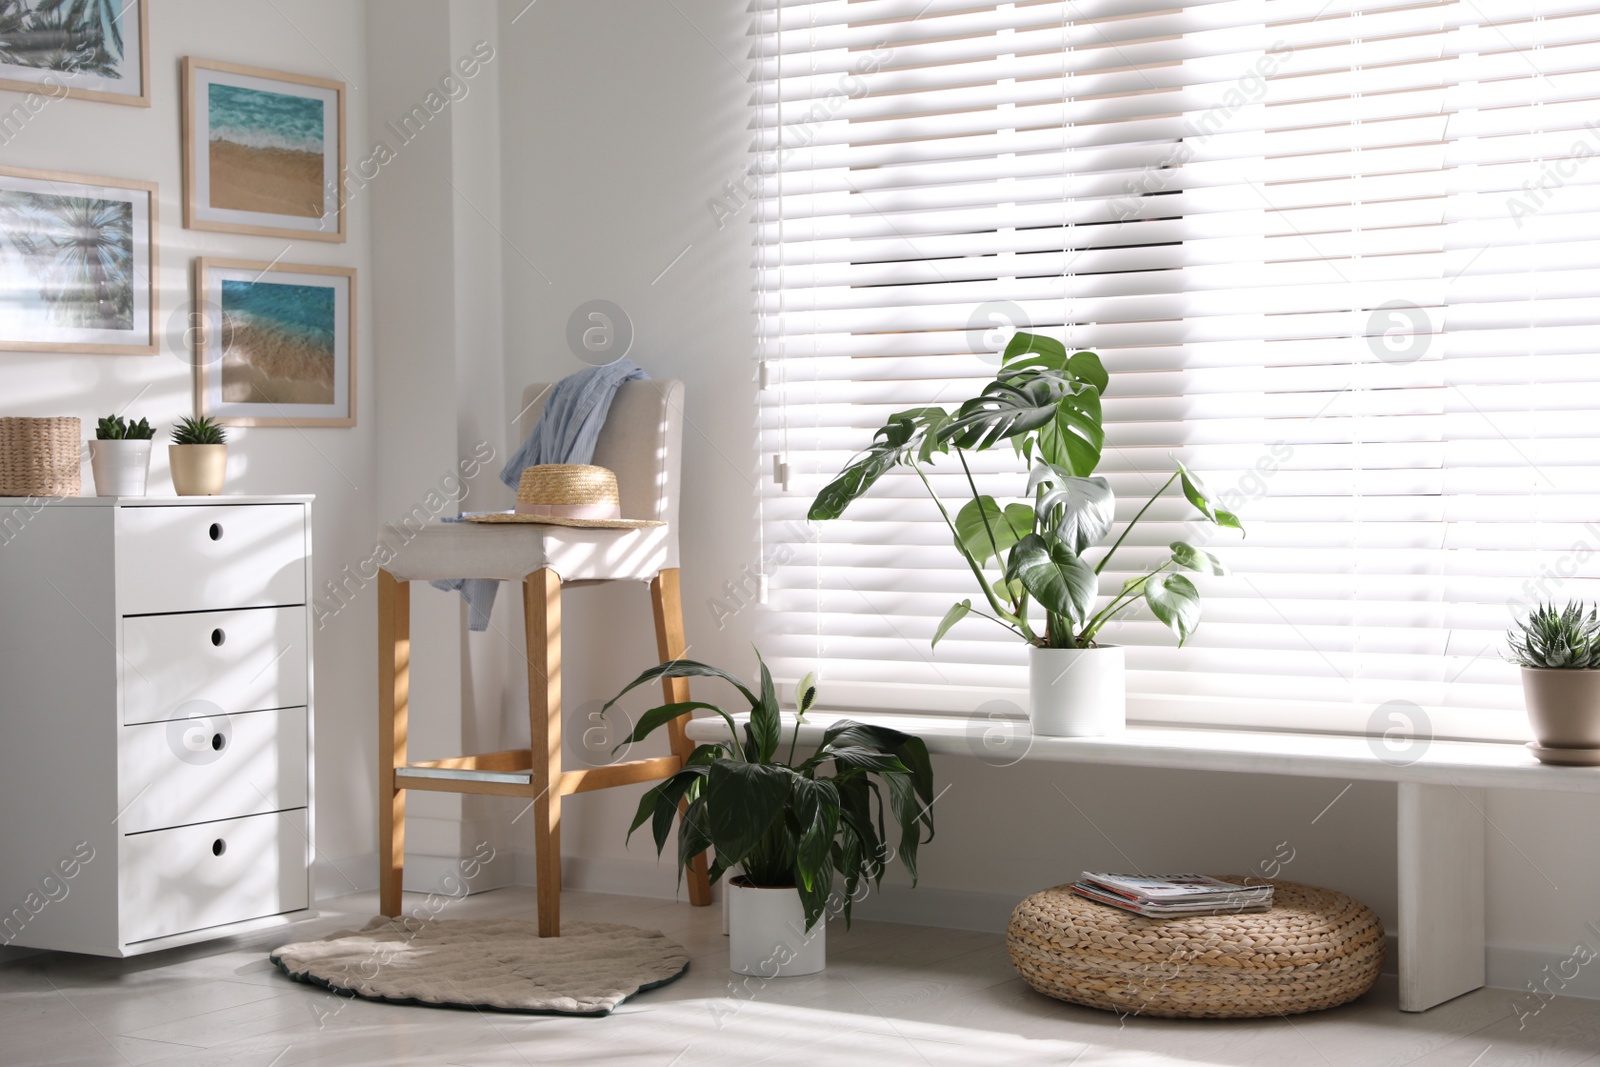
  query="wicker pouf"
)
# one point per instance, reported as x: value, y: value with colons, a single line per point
x: 1315, y: 949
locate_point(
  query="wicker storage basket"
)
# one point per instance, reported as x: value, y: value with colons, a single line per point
x: 39, y: 457
x: 1315, y: 949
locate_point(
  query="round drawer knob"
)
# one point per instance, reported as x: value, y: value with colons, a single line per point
x: 215, y: 531
x: 218, y: 636
x: 218, y: 742
x: 218, y: 847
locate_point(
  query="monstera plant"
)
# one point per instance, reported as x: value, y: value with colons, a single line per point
x: 1043, y: 553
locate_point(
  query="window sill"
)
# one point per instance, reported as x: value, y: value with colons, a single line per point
x: 1005, y: 741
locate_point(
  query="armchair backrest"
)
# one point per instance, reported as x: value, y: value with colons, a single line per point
x: 642, y: 442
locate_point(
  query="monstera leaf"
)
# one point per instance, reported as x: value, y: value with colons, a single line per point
x: 1064, y: 410
x: 984, y: 529
x: 1082, y: 509
x: 908, y: 434
x: 1175, y: 601
x: 1054, y: 574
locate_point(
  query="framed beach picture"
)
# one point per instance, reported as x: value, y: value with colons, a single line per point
x: 88, y: 49
x: 262, y: 151
x: 77, y: 263
x: 276, y: 343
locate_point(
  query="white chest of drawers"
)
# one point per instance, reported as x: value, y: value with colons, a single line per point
x: 155, y: 720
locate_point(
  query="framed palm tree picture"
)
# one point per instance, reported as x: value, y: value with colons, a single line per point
x: 89, y: 49
x: 77, y: 263
x: 263, y: 151
x: 275, y: 343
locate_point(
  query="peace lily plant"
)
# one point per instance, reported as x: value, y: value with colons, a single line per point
x: 1045, y: 403
x: 783, y: 819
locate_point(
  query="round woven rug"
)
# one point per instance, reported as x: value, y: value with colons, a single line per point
x: 500, y: 964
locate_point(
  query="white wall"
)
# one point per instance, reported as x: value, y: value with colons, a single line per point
x: 337, y: 465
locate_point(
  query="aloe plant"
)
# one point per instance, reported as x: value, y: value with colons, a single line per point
x: 201, y: 431
x: 1046, y: 404
x: 115, y: 428
x: 781, y: 822
x: 1564, y: 639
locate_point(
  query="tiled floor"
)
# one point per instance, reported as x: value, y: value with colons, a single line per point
x: 890, y: 995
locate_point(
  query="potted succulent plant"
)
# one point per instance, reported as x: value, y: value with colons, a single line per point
x: 199, y: 457
x: 119, y: 456
x: 783, y: 820
x: 1045, y: 404
x: 1559, y: 652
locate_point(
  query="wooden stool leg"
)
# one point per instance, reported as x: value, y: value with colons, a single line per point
x: 670, y: 645
x: 394, y: 697
x: 541, y: 606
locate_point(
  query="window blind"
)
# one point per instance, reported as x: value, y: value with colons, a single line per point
x: 1339, y: 256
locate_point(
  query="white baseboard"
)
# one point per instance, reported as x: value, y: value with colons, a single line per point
x: 1510, y: 967
x: 424, y: 874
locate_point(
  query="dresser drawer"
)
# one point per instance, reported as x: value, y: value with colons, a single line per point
x: 206, y: 769
x: 194, y: 877
x: 179, y: 666
x: 208, y: 557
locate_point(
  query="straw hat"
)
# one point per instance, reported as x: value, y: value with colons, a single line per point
x: 568, y: 494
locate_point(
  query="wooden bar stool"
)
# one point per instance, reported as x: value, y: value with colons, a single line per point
x: 641, y: 442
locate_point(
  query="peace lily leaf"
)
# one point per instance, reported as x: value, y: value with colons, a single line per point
x: 1055, y: 576
x: 817, y: 811
x: 1196, y: 492
x: 743, y: 800
x: 1087, y: 505
x: 1005, y: 526
x: 956, y: 613
x: 682, y: 668
x: 1190, y: 558
x: 1086, y: 366
x: 765, y: 722
x: 1175, y: 601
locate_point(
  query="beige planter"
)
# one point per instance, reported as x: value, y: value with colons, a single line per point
x: 198, y: 470
x: 1563, y: 706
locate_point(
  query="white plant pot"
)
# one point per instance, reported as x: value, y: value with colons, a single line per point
x: 120, y: 467
x: 1077, y: 692
x: 767, y: 934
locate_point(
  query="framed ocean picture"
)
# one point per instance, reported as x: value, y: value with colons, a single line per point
x: 263, y: 151
x: 275, y: 343
x: 77, y: 263
x: 88, y: 49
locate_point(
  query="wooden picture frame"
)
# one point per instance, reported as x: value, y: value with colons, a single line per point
x: 86, y: 84
x: 279, y: 337
x: 38, y: 210
x: 277, y: 167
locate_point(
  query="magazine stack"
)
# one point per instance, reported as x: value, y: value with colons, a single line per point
x: 1166, y: 895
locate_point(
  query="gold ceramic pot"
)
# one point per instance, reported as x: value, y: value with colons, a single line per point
x: 198, y: 470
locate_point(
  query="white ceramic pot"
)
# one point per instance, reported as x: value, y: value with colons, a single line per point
x: 1077, y: 692
x: 767, y: 933
x: 198, y: 470
x: 120, y: 467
